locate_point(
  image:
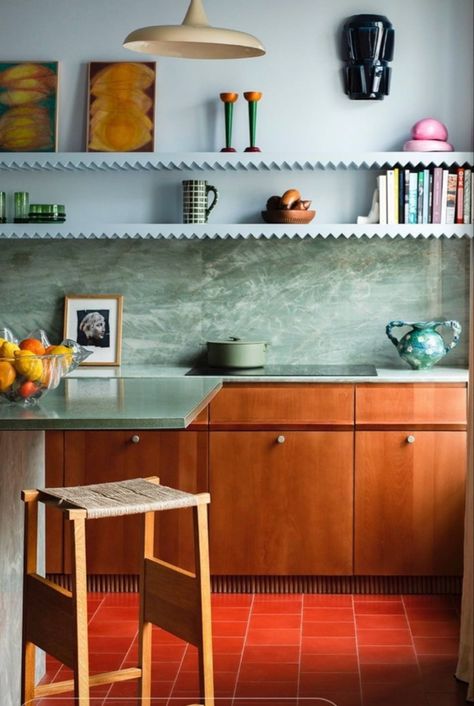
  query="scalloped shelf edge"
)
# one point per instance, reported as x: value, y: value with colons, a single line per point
x: 215, y: 161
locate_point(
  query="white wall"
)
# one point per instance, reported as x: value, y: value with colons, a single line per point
x: 304, y: 106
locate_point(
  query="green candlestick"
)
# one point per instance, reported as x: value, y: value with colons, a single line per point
x: 252, y: 97
x: 228, y: 99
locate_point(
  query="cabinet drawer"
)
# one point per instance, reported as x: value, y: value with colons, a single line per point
x: 409, y: 405
x: 283, y: 405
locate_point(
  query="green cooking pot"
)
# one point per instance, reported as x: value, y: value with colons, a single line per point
x: 236, y: 353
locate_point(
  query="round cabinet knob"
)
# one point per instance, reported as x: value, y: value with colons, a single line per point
x: 281, y: 439
x: 410, y: 439
x: 135, y: 439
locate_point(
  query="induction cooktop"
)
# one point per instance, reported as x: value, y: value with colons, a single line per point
x: 284, y: 370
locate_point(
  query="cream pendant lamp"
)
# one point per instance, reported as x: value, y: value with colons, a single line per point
x: 194, y: 39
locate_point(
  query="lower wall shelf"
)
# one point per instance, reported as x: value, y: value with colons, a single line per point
x: 178, y: 231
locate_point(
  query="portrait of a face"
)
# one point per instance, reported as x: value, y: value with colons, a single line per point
x: 93, y: 328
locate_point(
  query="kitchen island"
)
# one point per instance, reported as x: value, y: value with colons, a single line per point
x: 92, y: 403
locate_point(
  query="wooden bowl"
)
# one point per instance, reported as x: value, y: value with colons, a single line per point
x: 290, y: 216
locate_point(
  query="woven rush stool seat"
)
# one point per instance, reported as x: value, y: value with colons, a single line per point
x: 127, y: 497
x: 176, y: 600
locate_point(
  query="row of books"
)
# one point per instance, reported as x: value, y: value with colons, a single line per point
x: 431, y: 195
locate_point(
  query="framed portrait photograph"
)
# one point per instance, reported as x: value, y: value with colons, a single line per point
x: 95, y: 322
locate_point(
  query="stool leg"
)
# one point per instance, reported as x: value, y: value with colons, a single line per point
x: 201, y: 543
x: 144, y: 647
x: 79, y: 596
x: 30, y: 540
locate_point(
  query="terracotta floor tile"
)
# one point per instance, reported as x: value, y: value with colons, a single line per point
x: 115, y: 613
x: 329, y: 663
x: 329, y: 645
x: 227, y: 645
x: 388, y: 636
x: 327, y: 601
x: 390, y: 695
x: 387, y: 654
x: 327, y: 629
x: 271, y: 653
x: 333, y: 615
x: 376, y: 607
x: 273, y: 636
x: 276, y: 607
x: 267, y: 688
x: 220, y: 612
x: 381, y: 622
x: 314, y: 683
x: 434, y: 628
x: 436, y: 645
x: 269, y: 671
x: 430, y: 614
x: 402, y: 674
x: 228, y: 628
x: 438, y: 699
x: 115, y: 628
x: 231, y: 600
x: 370, y: 598
x: 272, y: 620
x: 338, y: 698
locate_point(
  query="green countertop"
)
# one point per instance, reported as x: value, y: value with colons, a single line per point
x: 116, y: 403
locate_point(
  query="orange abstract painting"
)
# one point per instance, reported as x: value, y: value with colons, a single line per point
x: 121, y: 107
x: 28, y: 106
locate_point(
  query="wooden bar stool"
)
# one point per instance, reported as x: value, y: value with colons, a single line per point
x: 176, y: 600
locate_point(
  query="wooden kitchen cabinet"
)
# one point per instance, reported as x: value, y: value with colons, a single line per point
x: 281, y: 479
x: 179, y: 458
x: 281, y: 502
x: 410, y: 467
x: 409, y: 502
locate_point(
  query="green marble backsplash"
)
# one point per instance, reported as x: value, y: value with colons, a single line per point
x: 323, y: 301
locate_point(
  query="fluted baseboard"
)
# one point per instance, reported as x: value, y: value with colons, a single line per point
x: 118, y: 583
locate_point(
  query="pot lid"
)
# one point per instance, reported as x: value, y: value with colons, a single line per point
x: 235, y: 340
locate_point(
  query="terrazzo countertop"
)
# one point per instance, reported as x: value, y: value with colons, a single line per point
x: 396, y: 375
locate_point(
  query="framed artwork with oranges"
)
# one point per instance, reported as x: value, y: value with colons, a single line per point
x: 95, y: 322
x: 121, y: 106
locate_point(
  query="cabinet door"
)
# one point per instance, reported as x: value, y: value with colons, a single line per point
x: 179, y: 458
x: 281, y: 508
x: 409, y: 502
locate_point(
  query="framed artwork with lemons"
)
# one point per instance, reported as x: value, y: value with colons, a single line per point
x: 121, y: 106
x: 28, y: 106
x: 95, y: 322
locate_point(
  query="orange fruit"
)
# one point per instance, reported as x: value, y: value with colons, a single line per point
x: 28, y: 365
x: 7, y: 375
x: 33, y: 345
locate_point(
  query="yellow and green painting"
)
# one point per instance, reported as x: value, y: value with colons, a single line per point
x: 121, y: 106
x: 28, y: 106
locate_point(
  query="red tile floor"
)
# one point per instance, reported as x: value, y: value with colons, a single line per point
x: 288, y: 650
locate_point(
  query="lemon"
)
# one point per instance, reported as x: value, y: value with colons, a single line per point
x: 61, y: 350
x: 8, y: 349
x: 28, y: 365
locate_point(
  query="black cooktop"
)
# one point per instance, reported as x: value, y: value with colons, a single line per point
x: 284, y: 370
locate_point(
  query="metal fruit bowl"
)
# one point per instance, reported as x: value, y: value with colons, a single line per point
x: 288, y: 216
x: 26, y: 379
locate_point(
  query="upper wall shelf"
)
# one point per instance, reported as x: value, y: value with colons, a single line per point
x: 217, y: 161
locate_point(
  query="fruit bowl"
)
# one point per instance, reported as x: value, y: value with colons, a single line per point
x: 288, y: 216
x: 25, y: 377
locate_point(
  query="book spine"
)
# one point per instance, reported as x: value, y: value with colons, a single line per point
x: 467, y: 196
x: 426, y: 196
x: 406, y: 193
x: 451, y: 197
x: 390, y: 197
x: 413, y: 198
x: 382, y: 187
x: 421, y: 194
x: 401, y: 196
x: 437, y: 192
x: 444, y: 195
x: 430, y: 200
x: 395, y: 194
x: 460, y: 196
